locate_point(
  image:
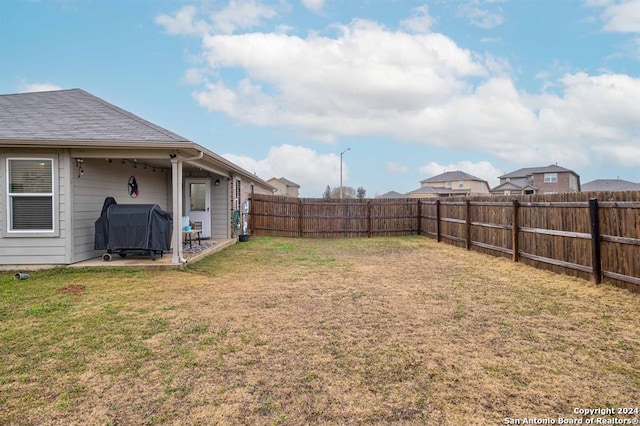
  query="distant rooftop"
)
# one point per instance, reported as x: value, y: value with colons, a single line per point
x: 528, y: 171
x: 610, y: 185
x: 431, y: 190
x: 451, y: 176
x: 392, y: 194
x: 285, y: 182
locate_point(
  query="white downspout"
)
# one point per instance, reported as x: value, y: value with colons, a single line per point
x: 176, y: 171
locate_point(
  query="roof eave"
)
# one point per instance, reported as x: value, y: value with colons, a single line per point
x: 93, y: 144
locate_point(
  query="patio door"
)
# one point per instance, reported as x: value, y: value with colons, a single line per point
x: 198, y: 204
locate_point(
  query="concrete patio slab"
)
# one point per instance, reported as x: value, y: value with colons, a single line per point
x: 207, y: 248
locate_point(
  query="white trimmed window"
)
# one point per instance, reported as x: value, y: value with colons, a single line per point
x: 550, y: 177
x: 30, y: 194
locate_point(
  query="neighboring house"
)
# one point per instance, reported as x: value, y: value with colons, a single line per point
x: 538, y: 180
x: 392, y: 194
x: 63, y: 152
x: 611, y: 185
x: 284, y: 187
x: 428, y: 192
x: 450, y: 184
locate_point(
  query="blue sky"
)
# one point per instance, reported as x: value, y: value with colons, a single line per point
x: 413, y: 88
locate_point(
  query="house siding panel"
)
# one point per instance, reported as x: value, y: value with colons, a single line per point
x: 219, y: 209
x: 561, y: 186
x: 477, y: 187
x: 22, y: 249
x: 102, y: 179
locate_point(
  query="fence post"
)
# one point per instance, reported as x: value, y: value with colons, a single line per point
x: 468, y: 226
x: 369, y: 219
x: 514, y: 231
x: 596, y: 260
x: 300, y: 217
x: 250, y: 220
x: 345, y: 215
x: 419, y: 216
x: 438, y: 237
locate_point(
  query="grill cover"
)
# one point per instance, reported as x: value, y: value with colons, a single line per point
x: 133, y: 227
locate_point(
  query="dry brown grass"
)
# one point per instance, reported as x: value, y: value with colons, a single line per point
x: 297, y: 331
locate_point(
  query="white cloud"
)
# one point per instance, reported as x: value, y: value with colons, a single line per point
x: 182, y: 22
x: 359, y: 83
x: 195, y: 76
x: 241, y: 14
x: 623, y: 155
x: 314, y: 5
x: 482, y: 169
x: 481, y: 16
x: 420, y: 22
x: 309, y: 169
x: 238, y: 14
x: 422, y: 87
x: 397, y: 168
x: 24, y: 87
x: 622, y: 16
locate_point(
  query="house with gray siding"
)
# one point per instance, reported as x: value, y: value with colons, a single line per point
x: 551, y: 179
x: 63, y: 152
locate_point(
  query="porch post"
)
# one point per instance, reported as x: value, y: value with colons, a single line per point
x: 176, y: 180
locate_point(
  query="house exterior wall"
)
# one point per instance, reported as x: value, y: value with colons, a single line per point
x: 36, y: 249
x: 292, y: 191
x: 244, y: 189
x: 102, y: 179
x: 260, y: 190
x: 478, y: 187
x: 561, y: 186
x: 78, y: 199
x: 283, y: 189
x: 219, y: 203
x: 473, y: 185
x: 280, y: 187
x: 422, y: 195
x: 433, y: 184
x: 220, y: 209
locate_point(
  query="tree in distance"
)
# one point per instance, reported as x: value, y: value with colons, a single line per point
x: 326, y: 195
x: 347, y: 192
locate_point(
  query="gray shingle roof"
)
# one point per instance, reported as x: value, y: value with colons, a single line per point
x: 511, y: 186
x: 528, y: 171
x: 432, y: 190
x: 287, y: 182
x: 392, y: 194
x: 451, y: 176
x: 610, y: 185
x: 74, y: 115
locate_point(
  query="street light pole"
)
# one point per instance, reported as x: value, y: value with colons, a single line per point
x: 341, y: 154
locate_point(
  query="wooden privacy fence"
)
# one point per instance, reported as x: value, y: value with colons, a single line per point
x: 313, y: 217
x: 590, y: 235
